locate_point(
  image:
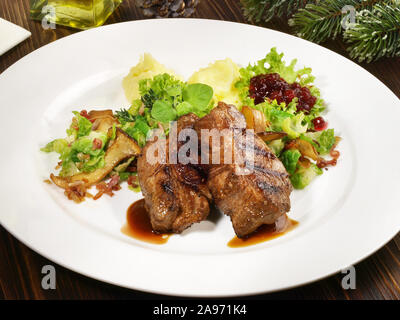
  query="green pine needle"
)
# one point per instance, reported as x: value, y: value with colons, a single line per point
x: 264, y: 10
x: 375, y: 34
x: 323, y: 20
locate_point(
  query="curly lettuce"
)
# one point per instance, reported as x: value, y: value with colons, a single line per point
x: 163, y: 99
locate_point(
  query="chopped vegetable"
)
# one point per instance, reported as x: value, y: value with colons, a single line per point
x: 303, y: 176
x: 294, y: 126
x: 289, y: 159
x: 276, y: 146
x: 122, y: 148
x: 326, y: 140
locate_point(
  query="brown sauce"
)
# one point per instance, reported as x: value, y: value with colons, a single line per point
x: 265, y: 233
x: 138, y: 225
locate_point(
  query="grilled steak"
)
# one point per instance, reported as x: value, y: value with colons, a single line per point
x: 254, y: 192
x: 176, y: 195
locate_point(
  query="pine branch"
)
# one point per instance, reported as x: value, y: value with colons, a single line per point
x: 265, y: 10
x: 322, y: 20
x: 375, y: 34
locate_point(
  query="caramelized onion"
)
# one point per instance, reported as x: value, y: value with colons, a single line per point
x: 255, y: 119
x: 306, y: 148
x: 270, y: 135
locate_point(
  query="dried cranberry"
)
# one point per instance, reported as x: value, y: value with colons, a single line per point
x: 272, y: 86
x: 295, y: 85
x: 276, y: 95
x: 289, y: 95
x: 320, y: 124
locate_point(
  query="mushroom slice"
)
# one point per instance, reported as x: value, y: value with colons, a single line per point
x: 102, y: 120
x: 270, y: 135
x: 122, y: 148
x: 306, y: 148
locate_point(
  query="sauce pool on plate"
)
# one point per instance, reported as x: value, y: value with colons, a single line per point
x: 138, y: 225
x: 265, y: 233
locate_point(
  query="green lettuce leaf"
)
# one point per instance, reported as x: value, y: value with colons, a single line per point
x: 303, y: 176
x: 162, y: 87
x: 57, y: 145
x: 184, y: 108
x: 276, y: 146
x: 289, y: 159
x: 199, y: 96
x: 84, y: 125
x: 294, y: 126
x: 323, y: 141
x: 163, y: 111
x: 326, y: 140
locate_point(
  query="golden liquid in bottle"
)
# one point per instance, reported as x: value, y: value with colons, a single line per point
x: 81, y: 14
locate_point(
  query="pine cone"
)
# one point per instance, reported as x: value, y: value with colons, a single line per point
x: 167, y: 8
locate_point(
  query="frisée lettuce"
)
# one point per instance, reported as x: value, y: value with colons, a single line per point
x: 291, y: 118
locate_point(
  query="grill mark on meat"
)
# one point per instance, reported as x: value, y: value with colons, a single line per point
x: 167, y: 188
x: 253, y: 199
x: 176, y: 195
x: 268, y: 187
x: 256, y: 149
x: 266, y: 170
x: 166, y: 185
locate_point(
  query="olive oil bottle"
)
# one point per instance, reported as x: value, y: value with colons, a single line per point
x: 81, y: 14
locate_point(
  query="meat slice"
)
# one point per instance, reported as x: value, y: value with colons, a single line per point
x: 254, y: 191
x: 176, y: 195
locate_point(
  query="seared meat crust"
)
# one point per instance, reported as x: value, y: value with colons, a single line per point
x: 252, y: 193
x: 176, y: 195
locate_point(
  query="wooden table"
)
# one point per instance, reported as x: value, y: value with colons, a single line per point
x: 378, y: 277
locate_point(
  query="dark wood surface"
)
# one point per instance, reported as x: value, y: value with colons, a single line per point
x: 378, y: 277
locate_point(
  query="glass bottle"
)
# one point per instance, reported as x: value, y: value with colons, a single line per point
x: 81, y: 14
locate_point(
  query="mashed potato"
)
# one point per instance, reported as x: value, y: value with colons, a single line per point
x: 221, y: 76
x: 148, y: 67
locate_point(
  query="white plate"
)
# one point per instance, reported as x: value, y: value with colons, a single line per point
x: 345, y: 215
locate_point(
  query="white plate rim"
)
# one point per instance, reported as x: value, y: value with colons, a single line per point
x: 20, y: 237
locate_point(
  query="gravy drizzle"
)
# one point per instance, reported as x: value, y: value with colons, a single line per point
x: 264, y: 233
x: 138, y: 225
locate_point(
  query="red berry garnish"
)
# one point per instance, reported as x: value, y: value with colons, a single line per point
x: 276, y: 95
x: 272, y: 86
x: 320, y: 124
x: 289, y: 95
